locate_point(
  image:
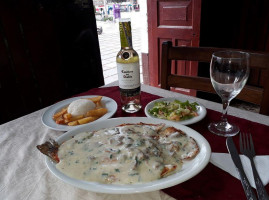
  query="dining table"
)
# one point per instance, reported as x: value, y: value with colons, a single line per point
x: 25, y: 175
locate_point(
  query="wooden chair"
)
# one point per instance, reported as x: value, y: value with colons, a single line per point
x: 254, y: 93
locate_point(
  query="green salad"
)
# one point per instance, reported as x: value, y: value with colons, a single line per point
x: 174, y: 110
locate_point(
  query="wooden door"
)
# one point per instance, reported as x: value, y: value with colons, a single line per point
x: 177, y: 21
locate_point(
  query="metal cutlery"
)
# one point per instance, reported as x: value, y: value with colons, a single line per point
x: 236, y: 159
x: 247, y: 148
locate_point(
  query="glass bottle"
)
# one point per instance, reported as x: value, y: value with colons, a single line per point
x: 128, y: 70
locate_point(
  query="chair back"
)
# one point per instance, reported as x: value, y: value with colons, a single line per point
x: 256, y: 94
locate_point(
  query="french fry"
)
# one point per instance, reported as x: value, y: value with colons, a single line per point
x: 87, y: 120
x: 95, y: 99
x: 59, y: 120
x: 96, y: 112
x: 66, y: 121
x: 98, y: 104
x: 60, y: 113
x: 73, y: 123
x: 67, y: 116
x: 74, y: 118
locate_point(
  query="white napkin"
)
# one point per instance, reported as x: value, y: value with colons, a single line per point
x: 224, y: 161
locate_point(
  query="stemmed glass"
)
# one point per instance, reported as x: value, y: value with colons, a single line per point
x: 229, y: 71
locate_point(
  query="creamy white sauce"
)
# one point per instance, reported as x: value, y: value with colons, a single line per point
x: 123, y: 155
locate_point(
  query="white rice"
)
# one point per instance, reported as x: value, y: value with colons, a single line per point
x: 80, y: 107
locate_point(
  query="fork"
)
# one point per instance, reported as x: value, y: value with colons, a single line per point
x: 247, y: 148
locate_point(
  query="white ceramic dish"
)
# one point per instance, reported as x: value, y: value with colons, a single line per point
x: 201, y: 110
x: 47, y: 120
x: 190, y: 168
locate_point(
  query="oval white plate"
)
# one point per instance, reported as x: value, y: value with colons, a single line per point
x: 201, y: 110
x: 47, y: 120
x: 189, y: 169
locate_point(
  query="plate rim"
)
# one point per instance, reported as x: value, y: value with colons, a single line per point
x: 135, y: 188
x: 62, y: 103
x: 184, y: 122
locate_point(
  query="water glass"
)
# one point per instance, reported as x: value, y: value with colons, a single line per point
x: 229, y: 71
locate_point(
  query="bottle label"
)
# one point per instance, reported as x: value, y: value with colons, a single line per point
x: 130, y: 92
x: 129, y: 75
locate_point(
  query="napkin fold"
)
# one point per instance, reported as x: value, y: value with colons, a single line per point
x: 224, y: 162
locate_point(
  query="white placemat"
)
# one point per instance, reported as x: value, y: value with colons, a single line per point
x: 224, y: 161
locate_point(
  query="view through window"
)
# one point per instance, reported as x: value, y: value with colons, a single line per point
x: 108, y: 13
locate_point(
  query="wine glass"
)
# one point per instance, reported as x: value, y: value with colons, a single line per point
x: 229, y: 71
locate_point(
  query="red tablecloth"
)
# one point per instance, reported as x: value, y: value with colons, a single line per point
x: 212, y: 182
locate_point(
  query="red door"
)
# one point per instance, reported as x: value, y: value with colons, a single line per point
x: 176, y: 21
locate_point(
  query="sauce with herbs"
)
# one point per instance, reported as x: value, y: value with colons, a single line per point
x: 124, y: 155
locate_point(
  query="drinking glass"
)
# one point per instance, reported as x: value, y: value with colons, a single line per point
x: 229, y: 71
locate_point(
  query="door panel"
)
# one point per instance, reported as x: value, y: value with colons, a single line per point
x: 175, y: 14
x: 176, y: 21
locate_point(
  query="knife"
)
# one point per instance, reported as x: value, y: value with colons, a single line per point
x: 237, y: 162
